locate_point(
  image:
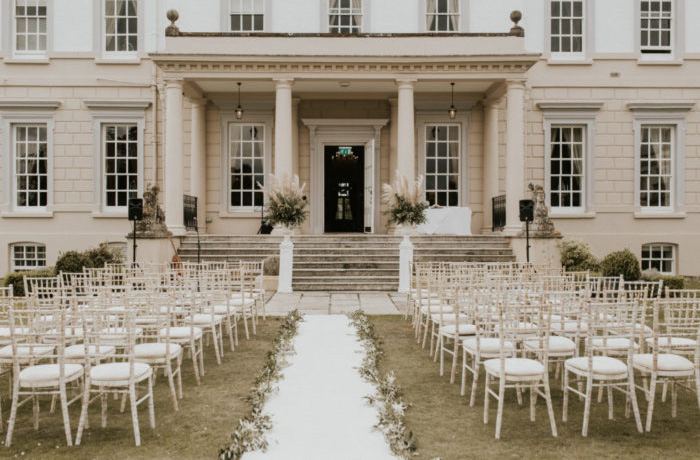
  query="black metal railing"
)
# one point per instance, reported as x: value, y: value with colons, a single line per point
x: 190, y: 210
x: 498, y: 211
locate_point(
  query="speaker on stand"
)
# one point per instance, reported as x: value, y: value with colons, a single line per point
x: 135, y: 214
x: 527, y: 215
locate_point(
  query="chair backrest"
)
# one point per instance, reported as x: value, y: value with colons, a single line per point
x: 33, y: 283
x: 609, y: 321
x: 678, y: 317
x: 681, y: 293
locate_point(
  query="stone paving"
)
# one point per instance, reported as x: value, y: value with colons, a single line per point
x: 336, y: 303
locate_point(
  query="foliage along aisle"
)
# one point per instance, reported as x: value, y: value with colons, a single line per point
x: 388, y: 399
x: 250, y: 433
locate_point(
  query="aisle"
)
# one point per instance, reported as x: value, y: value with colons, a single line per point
x: 319, y: 412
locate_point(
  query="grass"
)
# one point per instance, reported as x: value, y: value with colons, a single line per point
x: 447, y: 428
x: 208, y: 413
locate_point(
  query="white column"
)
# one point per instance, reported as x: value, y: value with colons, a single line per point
x: 405, y: 259
x: 295, y: 135
x: 393, y: 152
x: 515, y: 155
x: 490, y: 173
x: 198, y: 159
x: 174, y: 158
x: 284, y: 139
x: 406, y: 142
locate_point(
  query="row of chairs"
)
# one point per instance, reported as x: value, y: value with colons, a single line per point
x: 516, y: 321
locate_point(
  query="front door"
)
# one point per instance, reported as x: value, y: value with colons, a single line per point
x: 344, y: 188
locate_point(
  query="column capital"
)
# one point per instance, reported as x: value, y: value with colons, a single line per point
x: 515, y: 84
x: 174, y: 82
x: 404, y: 83
x: 197, y: 101
x: 283, y: 82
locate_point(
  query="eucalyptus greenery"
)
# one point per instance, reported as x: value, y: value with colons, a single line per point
x: 286, y: 203
x: 388, y: 400
x: 250, y: 433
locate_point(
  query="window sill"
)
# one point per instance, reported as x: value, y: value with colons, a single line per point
x: 569, y: 61
x: 18, y: 59
x: 118, y: 60
x: 110, y: 214
x: 26, y: 214
x: 239, y: 214
x: 659, y: 215
x: 577, y: 215
x: 661, y: 62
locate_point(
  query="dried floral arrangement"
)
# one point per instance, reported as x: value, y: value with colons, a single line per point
x: 250, y: 433
x: 286, y: 203
x: 388, y: 400
x: 405, y: 200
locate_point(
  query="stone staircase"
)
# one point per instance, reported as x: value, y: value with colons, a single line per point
x: 349, y: 262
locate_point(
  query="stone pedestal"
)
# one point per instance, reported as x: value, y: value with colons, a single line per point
x: 151, y: 248
x: 405, y: 258
x: 286, y: 265
x: 544, y: 249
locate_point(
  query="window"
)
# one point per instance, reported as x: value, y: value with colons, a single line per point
x: 30, y: 26
x: 566, y: 166
x: 247, y: 164
x: 31, y: 165
x: 442, y: 164
x: 566, y: 26
x: 121, y: 164
x: 121, y: 26
x: 442, y: 15
x: 656, y: 26
x: 656, y: 166
x: 28, y: 256
x: 246, y: 15
x: 660, y: 257
x: 345, y: 16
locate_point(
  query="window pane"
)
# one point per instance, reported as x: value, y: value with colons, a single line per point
x: 247, y: 165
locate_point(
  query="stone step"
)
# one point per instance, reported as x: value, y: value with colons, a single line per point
x: 355, y: 273
x: 339, y: 265
x: 382, y: 287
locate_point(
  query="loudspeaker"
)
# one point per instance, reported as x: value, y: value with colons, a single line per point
x: 136, y: 209
x: 527, y: 210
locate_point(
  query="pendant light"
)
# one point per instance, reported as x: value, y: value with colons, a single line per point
x: 239, y: 109
x: 452, y: 111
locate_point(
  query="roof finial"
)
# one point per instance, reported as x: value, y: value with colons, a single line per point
x: 516, y: 30
x: 172, y: 30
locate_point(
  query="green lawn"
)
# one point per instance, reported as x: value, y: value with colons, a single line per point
x: 208, y: 414
x: 447, y: 428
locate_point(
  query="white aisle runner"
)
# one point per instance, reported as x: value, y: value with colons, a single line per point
x: 319, y: 412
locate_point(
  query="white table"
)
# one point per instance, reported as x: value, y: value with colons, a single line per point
x: 447, y: 221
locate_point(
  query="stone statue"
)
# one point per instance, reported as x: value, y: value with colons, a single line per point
x: 542, y: 224
x: 153, y: 222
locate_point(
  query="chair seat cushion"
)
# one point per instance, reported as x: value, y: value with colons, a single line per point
x: 117, y: 374
x: 464, y: 329
x: 222, y: 309
x: 5, y: 331
x: 557, y: 345
x: 48, y: 375
x: 25, y: 353
x: 95, y: 351
x: 155, y: 351
x: 71, y: 332
x: 672, y: 342
x: 602, y: 367
x: 516, y: 367
x: 205, y: 319
x: 667, y: 364
x: 612, y: 343
x: 119, y: 334
x: 436, y: 309
x: 487, y: 346
x: 181, y: 332
x: 569, y: 326
x: 238, y: 302
x: 449, y: 318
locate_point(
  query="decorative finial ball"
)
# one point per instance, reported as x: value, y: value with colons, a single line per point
x: 516, y: 16
x: 173, y: 15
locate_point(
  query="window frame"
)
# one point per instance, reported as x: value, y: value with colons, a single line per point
x: 14, y: 267
x: 587, y: 29
x: 677, y: 35
x: 28, y: 54
x: 674, y: 261
x: 362, y: 15
x: 662, y: 114
x: 106, y: 113
x: 659, y: 49
x: 461, y: 15
x: 101, y: 35
x: 673, y: 155
x: 103, y: 174
x: 463, y: 118
x: 227, y: 117
x: 13, y: 140
x: 230, y: 14
x: 225, y: 15
x: 571, y: 114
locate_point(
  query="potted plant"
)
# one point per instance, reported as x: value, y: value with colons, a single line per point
x: 406, y: 204
x: 271, y: 271
x: 286, y: 203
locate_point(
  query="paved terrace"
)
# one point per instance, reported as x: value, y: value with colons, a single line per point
x: 336, y: 303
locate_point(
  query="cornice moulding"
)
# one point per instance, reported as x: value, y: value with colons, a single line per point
x: 29, y: 105
x: 661, y: 106
x: 570, y: 105
x: 117, y: 104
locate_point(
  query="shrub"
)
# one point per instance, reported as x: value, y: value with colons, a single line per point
x: 576, y: 256
x: 72, y: 262
x: 103, y: 255
x: 650, y: 274
x: 671, y: 282
x: 271, y: 266
x: 621, y: 263
x: 16, y: 279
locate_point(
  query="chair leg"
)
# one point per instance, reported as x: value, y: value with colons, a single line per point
x: 610, y: 403
x: 674, y: 399
x: 64, y: 410
x: 171, y: 383
x: 179, y: 376
x: 201, y: 356
x: 104, y: 397
x: 550, y: 409
x: 230, y: 332
x: 650, y: 405
x: 475, y: 380
x: 587, y: 406
x: 151, y: 408
x: 486, y: 398
x: 454, y: 360
x: 195, y: 367
x: 83, y: 413
x: 134, y: 414
x: 635, y: 407
x: 565, y: 388
x: 35, y: 411
x: 13, y: 413
x: 533, y: 401
x: 501, y: 400
x: 463, y: 386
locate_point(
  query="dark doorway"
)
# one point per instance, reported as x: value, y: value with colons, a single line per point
x: 344, y: 189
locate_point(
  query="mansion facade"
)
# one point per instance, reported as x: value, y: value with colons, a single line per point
x: 596, y: 101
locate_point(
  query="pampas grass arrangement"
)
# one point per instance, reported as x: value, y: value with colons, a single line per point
x: 405, y: 200
x: 286, y: 205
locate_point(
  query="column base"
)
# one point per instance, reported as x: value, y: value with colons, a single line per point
x: 513, y: 230
x: 177, y: 230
